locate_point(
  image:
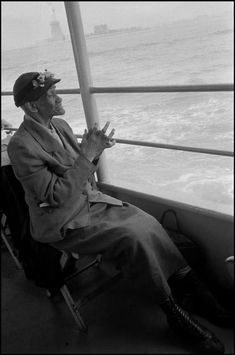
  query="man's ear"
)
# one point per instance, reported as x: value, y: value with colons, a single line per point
x: 31, y: 106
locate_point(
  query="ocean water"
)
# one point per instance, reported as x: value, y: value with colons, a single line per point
x: 188, y: 52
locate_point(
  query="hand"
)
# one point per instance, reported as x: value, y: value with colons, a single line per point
x: 95, y: 141
x: 5, y: 125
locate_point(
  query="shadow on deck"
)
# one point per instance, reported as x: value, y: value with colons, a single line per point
x: 122, y: 320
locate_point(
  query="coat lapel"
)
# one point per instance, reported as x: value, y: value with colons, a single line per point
x: 49, y: 144
x: 69, y: 140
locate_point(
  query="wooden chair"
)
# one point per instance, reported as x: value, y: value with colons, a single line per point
x: 62, y: 268
x: 5, y: 235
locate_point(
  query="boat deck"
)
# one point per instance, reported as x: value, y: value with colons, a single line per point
x: 122, y: 320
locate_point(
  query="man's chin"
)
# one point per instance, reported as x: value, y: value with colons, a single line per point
x: 59, y: 112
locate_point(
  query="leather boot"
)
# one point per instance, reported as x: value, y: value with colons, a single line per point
x: 195, y: 297
x: 180, y: 321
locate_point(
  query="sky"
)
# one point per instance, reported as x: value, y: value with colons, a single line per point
x: 25, y: 23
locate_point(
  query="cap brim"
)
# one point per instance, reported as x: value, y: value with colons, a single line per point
x: 52, y: 82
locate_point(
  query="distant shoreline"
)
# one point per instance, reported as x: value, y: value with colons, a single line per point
x: 87, y: 36
x: 119, y: 31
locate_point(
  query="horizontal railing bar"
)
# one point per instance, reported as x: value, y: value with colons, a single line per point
x: 168, y: 88
x: 162, y: 145
x: 146, y: 89
x: 172, y: 147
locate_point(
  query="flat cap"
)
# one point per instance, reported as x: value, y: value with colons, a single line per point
x: 31, y: 86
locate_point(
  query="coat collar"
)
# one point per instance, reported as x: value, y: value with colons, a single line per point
x: 44, y: 138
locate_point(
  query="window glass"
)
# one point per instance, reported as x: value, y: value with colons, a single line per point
x: 159, y: 43
x: 139, y: 43
x: 74, y: 113
x: 203, y: 120
x: 72, y: 104
x: 197, y: 179
x: 35, y: 36
x: 166, y: 43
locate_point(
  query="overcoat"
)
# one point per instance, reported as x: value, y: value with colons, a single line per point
x: 59, y: 187
x: 57, y: 179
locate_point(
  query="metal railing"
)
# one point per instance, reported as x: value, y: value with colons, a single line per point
x: 172, y: 147
x: 155, y: 89
x: 163, y: 88
x: 146, y: 89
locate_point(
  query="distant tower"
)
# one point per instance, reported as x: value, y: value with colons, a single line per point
x: 56, y: 32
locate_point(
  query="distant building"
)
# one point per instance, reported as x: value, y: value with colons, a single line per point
x: 100, y: 29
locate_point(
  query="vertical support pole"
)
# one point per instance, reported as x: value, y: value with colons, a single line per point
x: 73, y: 13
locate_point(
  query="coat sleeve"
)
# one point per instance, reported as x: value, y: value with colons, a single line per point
x: 41, y: 182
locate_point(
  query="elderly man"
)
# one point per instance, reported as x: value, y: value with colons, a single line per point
x: 67, y: 211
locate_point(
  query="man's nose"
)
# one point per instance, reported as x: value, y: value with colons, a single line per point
x: 58, y: 99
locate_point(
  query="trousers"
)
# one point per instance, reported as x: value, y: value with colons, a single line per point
x: 131, y: 237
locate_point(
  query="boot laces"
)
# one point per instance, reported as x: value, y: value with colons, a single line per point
x: 190, y: 322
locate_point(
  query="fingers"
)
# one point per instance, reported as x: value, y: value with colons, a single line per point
x: 104, y: 129
x: 111, y: 133
x: 85, y: 133
x: 84, y: 137
x: 95, y: 128
x: 102, y: 132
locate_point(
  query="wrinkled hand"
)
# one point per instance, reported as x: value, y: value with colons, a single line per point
x: 4, y: 125
x: 95, y: 141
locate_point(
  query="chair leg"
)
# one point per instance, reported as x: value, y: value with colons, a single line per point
x: 10, y: 250
x: 73, y: 308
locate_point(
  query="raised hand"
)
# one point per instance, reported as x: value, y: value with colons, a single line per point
x: 4, y: 125
x: 95, y: 141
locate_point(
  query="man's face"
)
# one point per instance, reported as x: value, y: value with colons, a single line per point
x: 50, y: 104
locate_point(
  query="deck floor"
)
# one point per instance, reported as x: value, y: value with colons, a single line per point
x: 122, y: 320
